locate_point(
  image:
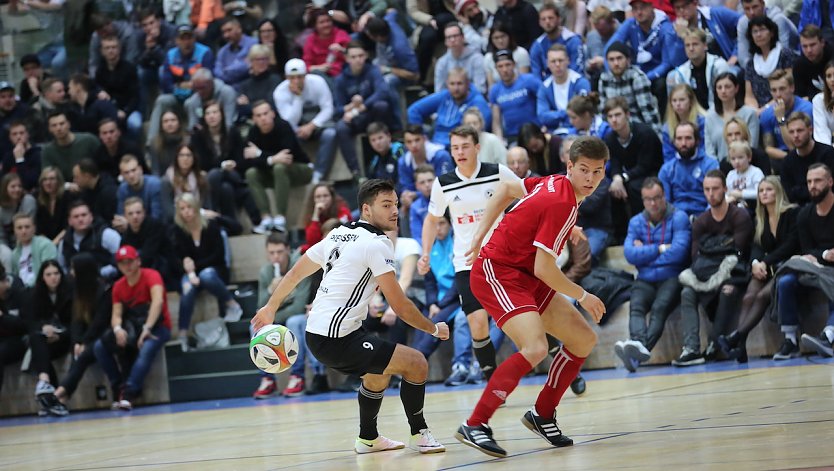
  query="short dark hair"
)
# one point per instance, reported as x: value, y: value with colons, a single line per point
x: 260, y: 103
x: 767, y: 23
x: 55, y: 113
x: 378, y: 27
x: 77, y: 204
x: 128, y: 158
x: 464, y: 132
x: 717, y: 173
x: 423, y: 168
x: 799, y: 116
x: 88, y: 166
x: 83, y: 80
x: 149, y: 12
x: 377, y: 127
x: 822, y: 166
x: 277, y: 238
x: 649, y: 182
x: 549, y: 5
x: 18, y: 122
x: 452, y: 24
x: 369, y: 190
x: 691, y: 125
x: 107, y: 120
x: 810, y: 31
x: 614, y: 103
x: 230, y: 19
x: 354, y: 45
x: 415, y: 129
x: 589, y: 147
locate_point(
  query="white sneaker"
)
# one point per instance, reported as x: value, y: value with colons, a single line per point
x: 233, y: 313
x: 637, y: 350
x: 380, y: 443
x: 279, y: 223
x: 425, y: 443
x: 263, y: 227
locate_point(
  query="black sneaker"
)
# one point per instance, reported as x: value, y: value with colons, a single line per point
x: 820, y: 344
x: 787, y: 351
x: 578, y: 385
x: 480, y: 438
x: 689, y: 357
x: 546, y: 428
x: 711, y: 353
x: 50, y: 405
x: 319, y: 385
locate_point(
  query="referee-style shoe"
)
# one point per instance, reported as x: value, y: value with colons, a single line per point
x: 480, y: 438
x: 545, y: 428
x: 379, y: 443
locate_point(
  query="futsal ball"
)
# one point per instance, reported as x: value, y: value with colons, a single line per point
x: 273, y: 349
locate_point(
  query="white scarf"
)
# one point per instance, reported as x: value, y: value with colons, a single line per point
x: 765, y: 67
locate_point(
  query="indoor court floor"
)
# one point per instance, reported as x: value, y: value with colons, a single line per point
x: 719, y: 416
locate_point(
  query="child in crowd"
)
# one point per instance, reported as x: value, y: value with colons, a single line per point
x: 744, y: 178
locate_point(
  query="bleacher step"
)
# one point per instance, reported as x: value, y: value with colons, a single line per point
x: 211, y: 360
x: 202, y: 387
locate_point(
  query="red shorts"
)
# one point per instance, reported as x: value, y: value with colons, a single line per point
x: 506, y: 291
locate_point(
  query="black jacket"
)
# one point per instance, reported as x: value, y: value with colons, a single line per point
x: 210, y: 253
x: 87, y: 333
x: 102, y: 198
x: 776, y: 248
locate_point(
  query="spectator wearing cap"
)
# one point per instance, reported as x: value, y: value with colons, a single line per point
x: 119, y: 82
x: 21, y: 157
x: 105, y: 27
x: 475, y: 22
x: 175, y: 80
x: 304, y: 100
x: 459, y: 54
x: 231, y: 65
x: 449, y: 105
x: 550, y: 19
x: 557, y: 90
x: 10, y: 110
x: 87, y: 108
x: 523, y: 20
x: 208, y: 88
x: 513, y: 98
x: 625, y: 80
x: 33, y: 75
x: 654, y: 45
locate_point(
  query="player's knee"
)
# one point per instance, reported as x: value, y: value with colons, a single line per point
x: 535, y: 352
x: 418, y: 367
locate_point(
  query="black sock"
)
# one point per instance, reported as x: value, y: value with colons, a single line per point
x: 369, y: 404
x: 485, y: 353
x: 413, y: 397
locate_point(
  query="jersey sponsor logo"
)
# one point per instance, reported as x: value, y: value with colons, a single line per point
x: 515, y: 95
x: 389, y: 262
x: 343, y: 237
x: 467, y: 218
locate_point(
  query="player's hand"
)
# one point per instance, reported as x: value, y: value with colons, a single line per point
x: 474, y: 249
x: 594, y: 306
x: 577, y: 235
x: 442, y: 331
x: 423, y: 265
x: 264, y: 316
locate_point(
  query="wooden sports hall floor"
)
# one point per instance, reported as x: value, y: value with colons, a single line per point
x: 712, y: 417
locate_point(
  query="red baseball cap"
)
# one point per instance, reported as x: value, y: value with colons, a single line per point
x: 126, y: 252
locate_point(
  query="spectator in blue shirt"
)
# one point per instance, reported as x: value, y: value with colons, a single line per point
x: 136, y: 183
x: 551, y: 22
x: 423, y: 180
x: 683, y: 177
x: 231, y: 66
x: 721, y: 22
x: 557, y: 90
x: 448, y: 105
x: 774, y: 118
x: 513, y: 99
x: 420, y: 151
x: 387, y: 154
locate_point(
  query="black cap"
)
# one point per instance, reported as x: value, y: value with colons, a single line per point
x: 504, y: 54
x: 184, y: 29
x: 29, y: 59
x: 621, y: 47
x: 4, y: 85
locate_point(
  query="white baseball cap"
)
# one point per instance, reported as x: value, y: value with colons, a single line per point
x: 295, y: 67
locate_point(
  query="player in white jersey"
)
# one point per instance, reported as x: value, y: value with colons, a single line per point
x: 357, y: 259
x: 465, y: 192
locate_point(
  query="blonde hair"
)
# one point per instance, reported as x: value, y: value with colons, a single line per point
x: 745, y: 132
x: 194, y: 202
x: 781, y: 205
x: 740, y: 146
x: 695, y: 108
x: 43, y: 198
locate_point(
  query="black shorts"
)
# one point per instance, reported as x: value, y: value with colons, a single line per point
x: 468, y: 302
x: 357, y: 353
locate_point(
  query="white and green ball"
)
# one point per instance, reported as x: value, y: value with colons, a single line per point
x: 273, y: 349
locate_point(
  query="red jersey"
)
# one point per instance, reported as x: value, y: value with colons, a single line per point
x: 543, y: 218
x: 140, y: 293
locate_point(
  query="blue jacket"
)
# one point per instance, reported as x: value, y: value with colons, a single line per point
x: 449, y: 113
x: 151, y: 195
x: 723, y: 24
x: 369, y: 84
x: 549, y: 114
x: 665, y: 48
x: 683, y: 181
x: 416, y: 215
x: 811, y: 13
x: 669, y: 151
x: 653, y: 266
x: 436, y: 156
x: 397, y: 53
x: 177, y: 68
x: 538, y: 53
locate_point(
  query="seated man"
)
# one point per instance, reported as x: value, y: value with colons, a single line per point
x: 720, y: 293
x: 420, y: 151
x: 683, y: 177
x: 815, y: 225
x: 149, y: 237
x: 86, y: 107
x: 293, y: 314
x: 774, y: 117
x: 306, y: 103
x: 68, y: 147
x: 658, y: 245
x: 558, y: 89
x: 625, y: 80
x: 513, y: 98
x: 140, y: 324
x: 22, y: 157
x: 449, y: 105
x: 459, y: 55
x: 114, y: 147
x: 700, y: 70
x: 519, y: 162
x: 231, y: 66
x: 136, y: 183
x: 273, y: 157
x: 394, y: 56
x: 423, y: 180
x: 84, y: 234
x: 550, y: 19
x: 206, y: 88
x: 809, y: 68
x: 97, y: 189
x: 806, y: 152
x: 119, y: 82
x: 387, y: 154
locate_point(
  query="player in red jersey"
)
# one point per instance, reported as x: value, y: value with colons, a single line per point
x: 516, y: 279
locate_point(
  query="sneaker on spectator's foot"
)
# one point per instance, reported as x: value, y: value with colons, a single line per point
x: 711, y: 352
x: 788, y: 350
x: 476, y: 376
x: 821, y: 344
x: 630, y: 364
x: 233, y: 312
x: 689, y: 357
x: 122, y: 403
x: 459, y: 375
x: 480, y: 438
x: 319, y: 385
x: 379, y: 443
x: 279, y: 223
x: 295, y: 387
x: 635, y: 349
x: 49, y: 403
x: 267, y: 388
x: 578, y: 385
x: 263, y: 227
x: 545, y: 428
x: 425, y: 443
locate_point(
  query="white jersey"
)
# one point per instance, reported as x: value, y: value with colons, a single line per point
x: 351, y: 256
x: 466, y: 199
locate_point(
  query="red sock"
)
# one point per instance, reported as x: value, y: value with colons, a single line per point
x: 500, y: 385
x: 562, y: 372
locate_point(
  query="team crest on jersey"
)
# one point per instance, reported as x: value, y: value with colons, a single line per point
x: 489, y: 193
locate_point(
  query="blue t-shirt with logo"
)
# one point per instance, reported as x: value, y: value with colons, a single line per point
x: 517, y: 102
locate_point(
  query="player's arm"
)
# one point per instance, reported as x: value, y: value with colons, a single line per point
x: 406, y: 310
x: 546, y: 270
x: 505, y: 193
x: 428, y: 237
x: 301, y: 270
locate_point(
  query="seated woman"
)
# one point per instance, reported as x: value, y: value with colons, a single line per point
x: 775, y: 240
x: 583, y: 117
x: 492, y: 148
x: 324, y: 50
x: 322, y: 205
x: 49, y: 335
x: 201, y: 252
x: 727, y: 104
x: 768, y: 56
x: 269, y: 34
x: 542, y: 149
x: 91, y: 309
x: 51, y: 215
x: 163, y: 149
x: 682, y: 106
x: 736, y: 130
x: 824, y: 108
x: 13, y: 200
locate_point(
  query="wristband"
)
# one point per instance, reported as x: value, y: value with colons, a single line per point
x: 584, y: 295
x: 824, y: 253
x: 436, y: 330
x: 118, y: 328
x: 146, y: 328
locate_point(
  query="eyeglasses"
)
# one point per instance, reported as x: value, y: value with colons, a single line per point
x: 454, y: 36
x: 267, y: 30
x: 652, y: 199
